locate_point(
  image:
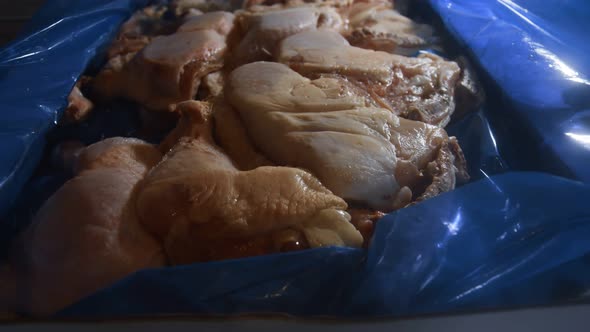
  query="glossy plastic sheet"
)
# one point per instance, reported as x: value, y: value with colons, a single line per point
x: 537, y: 53
x: 510, y: 239
x: 38, y: 71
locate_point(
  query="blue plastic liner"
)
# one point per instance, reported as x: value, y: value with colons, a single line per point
x: 512, y: 239
x: 537, y: 52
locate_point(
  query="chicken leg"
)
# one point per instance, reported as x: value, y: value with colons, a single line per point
x: 86, y: 236
x: 203, y: 208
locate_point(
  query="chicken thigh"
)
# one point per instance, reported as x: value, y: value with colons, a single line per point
x: 170, y: 68
x: 203, y: 208
x: 375, y: 25
x: 364, y: 154
x: 87, y: 236
x: 419, y: 88
x: 263, y: 31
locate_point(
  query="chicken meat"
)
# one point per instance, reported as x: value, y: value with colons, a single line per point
x: 420, y: 88
x: 364, y: 154
x: 79, y: 107
x: 139, y: 30
x: 262, y: 31
x: 375, y: 25
x: 170, y: 68
x: 192, y: 7
x: 262, y: 5
x: 307, y: 150
x: 203, y: 208
x: 231, y: 135
x: 87, y: 236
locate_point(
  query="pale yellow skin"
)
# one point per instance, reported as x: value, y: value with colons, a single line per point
x: 86, y: 236
x: 362, y: 153
x: 196, y: 197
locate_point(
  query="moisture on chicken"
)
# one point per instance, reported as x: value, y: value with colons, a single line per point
x: 420, y: 88
x: 364, y: 154
x: 203, y: 208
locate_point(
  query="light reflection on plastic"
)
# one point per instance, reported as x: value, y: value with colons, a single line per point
x: 567, y: 71
x: 26, y: 39
x: 491, y: 181
x: 455, y: 225
x: 278, y: 293
x: 523, y: 13
x: 580, y: 138
x: 493, y: 138
x: 499, y: 274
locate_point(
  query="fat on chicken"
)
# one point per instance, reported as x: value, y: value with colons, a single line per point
x: 364, y: 154
x: 170, y: 68
x: 204, y: 208
x: 420, y: 88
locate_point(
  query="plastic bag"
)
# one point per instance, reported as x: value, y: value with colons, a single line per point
x: 501, y: 240
x: 536, y: 52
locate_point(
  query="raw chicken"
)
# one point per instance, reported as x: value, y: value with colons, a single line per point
x: 221, y: 22
x: 364, y: 154
x: 86, y: 236
x: 213, y: 84
x: 267, y: 4
x: 469, y: 94
x: 170, y: 68
x: 375, y: 25
x: 343, y: 115
x: 419, y: 88
x: 188, y: 7
x: 231, y: 135
x: 138, y: 31
x: 78, y: 106
x: 262, y: 31
x: 203, y: 208
x: 364, y: 220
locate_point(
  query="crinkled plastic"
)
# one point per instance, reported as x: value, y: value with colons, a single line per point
x: 537, y: 53
x: 511, y: 239
x: 38, y: 71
